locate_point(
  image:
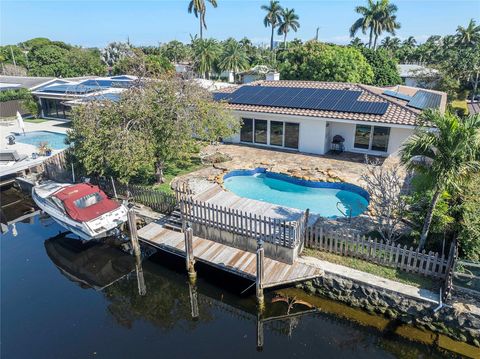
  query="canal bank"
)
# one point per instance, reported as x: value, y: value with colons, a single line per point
x: 459, y: 319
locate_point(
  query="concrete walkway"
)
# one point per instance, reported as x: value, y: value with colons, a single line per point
x: 373, y: 280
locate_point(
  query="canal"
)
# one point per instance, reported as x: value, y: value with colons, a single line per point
x: 61, y: 298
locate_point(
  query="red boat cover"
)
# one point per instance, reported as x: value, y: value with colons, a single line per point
x: 68, y: 195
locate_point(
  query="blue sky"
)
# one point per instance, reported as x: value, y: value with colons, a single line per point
x: 96, y: 23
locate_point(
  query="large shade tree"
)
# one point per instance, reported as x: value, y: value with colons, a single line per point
x: 199, y: 9
x: 272, y: 18
x: 448, y: 153
x: 234, y: 57
x: 377, y: 17
x: 288, y: 22
x: 206, y: 53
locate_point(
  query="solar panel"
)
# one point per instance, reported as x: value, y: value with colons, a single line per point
x: 424, y: 99
x: 398, y: 95
x: 304, y: 98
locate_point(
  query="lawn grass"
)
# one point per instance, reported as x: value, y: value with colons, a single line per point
x: 35, y: 120
x: 178, y: 169
x: 372, y: 268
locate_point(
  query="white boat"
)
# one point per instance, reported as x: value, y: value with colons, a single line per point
x: 81, y: 208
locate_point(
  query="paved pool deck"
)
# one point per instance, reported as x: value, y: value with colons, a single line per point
x: 8, y: 127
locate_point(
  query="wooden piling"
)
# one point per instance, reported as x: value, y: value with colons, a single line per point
x: 259, y: 278
x: 132, y: 225
x: 192, y: 289
x: 259, y: 332
x: 142, y: 288
x: 190, y: 259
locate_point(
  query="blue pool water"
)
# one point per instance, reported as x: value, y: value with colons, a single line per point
x: 54, y: 139
x: 321, y: 198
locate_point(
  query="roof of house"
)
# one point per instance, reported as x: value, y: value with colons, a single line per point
x: 473, y: 107
x: 25, y: 81
x: 397, y: 112
x: 412, y: 70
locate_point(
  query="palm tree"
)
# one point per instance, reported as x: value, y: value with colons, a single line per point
x: 410, y: 42
x: 450, y: 155
x: 289, y: 21
x: 273, y: 17
x: 234, y: 58
x: 469, y: 35
x: 377, y: 17
x: 199, y: 8
x: 357, y: 42
x: 205, y: 52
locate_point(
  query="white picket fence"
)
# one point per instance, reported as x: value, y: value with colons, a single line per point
x: 377, y: 251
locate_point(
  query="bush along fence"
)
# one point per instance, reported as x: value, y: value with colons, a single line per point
x: 379, y: 252
x: 272, y: 230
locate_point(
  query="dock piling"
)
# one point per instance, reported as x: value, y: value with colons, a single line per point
x: 132, y: 225
x: 259, y: 277
x: 190, y: 259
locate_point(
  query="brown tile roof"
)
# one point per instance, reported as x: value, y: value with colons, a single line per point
x: 397, y: 112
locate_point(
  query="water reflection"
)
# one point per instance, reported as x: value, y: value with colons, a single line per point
x: 144, y: 306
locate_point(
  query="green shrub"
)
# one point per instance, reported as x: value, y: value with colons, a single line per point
x: 20, y: 94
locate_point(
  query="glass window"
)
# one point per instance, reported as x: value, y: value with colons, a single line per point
x: 246, y: 133
x: 261, y: 131
x: 380, y: 138
x: 362, y: 136
x: 276, y: 133
x: 291, y: 134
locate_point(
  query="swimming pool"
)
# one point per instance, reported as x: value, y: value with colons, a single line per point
x: 54, y: 139
x: 326, y: 199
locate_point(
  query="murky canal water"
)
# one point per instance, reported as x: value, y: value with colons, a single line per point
x: 64, y: 299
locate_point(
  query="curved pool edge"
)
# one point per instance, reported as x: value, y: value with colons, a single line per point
x: 299, y: 181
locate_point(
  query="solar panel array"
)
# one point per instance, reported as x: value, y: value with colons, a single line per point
x: 303, y: 98
x: 398, y: 95
x: 425, y: 99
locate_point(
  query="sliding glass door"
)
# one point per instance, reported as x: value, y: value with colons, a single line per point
x: 291, y: 135
x: 261, y: 131
x: 276, y: 133
x: 374, y: 138
x: 246, y: 133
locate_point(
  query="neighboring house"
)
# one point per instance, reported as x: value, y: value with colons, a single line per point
x: 10, y: 108
x: 259, y: 72
x: 417, y: 75
x: 58, y: 97
x: 306, y: 116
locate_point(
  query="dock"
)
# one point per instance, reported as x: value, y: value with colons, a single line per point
x: 230, y: 259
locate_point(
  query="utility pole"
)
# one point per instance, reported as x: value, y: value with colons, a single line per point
x: 316, y: 35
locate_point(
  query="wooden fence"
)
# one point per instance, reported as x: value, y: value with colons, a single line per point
x: 272, y: 230
x: 158, y: 201
x: 379, y: 252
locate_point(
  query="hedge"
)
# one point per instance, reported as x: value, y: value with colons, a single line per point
x: 20, y: 94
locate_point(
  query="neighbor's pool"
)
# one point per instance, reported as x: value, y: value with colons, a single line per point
x: 55, y: 140
x: 323, y: 198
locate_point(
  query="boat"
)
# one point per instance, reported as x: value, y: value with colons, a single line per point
x: 81, y: 208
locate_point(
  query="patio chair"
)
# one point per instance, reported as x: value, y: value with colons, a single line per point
x: 11, y: 155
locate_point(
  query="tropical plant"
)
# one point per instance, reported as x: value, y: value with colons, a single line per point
x: 357, y: 42
x: 315, y: 61
x: 205, y: 54
x: 449, y: 153
x: 376, y: 17
x: 234, y: 58
x: 273, y: 17
x: 114, y: 52
x: 176, y: 51
x: 288, y: 21
x: 199, y: 9
x: 470, y: 35
x: 384, y: 66
x: 410, y: 42
x: 391, y: 43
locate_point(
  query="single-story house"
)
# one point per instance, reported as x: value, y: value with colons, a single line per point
x: 57, y: 98
x: 258, y: 72
x: 10, y: 108
x: 417, y: 75
x: 316, y: 117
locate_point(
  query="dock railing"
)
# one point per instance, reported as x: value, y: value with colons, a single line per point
x: 378, y: 251
x: 271, y: 230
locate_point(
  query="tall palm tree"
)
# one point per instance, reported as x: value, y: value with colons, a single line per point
x: 205, y: 52
x: 377, y: 17
x: 273, y: 17
x: 450, y: 155
x: 469, y: 35
x: 289, y: 21
x: 199, y: 8
x: 234, y: 58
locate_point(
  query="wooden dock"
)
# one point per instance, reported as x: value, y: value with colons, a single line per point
x: 227, y: 258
